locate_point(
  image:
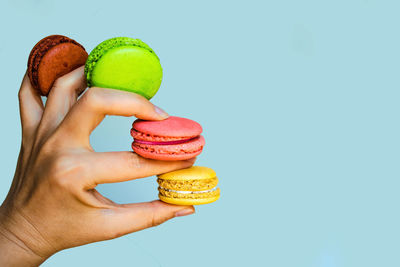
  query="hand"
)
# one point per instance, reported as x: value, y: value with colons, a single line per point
x: 53, y: 204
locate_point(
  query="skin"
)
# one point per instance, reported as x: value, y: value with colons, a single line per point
x: 52, y: 203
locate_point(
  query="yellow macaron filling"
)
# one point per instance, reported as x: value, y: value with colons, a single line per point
x: 188, y: 185
x: 189, y: 194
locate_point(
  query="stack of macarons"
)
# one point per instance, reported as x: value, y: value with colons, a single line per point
x: 131, y: 65
x: 177, y: 138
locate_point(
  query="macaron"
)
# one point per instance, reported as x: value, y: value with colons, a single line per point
x: 126, y: 64
x: 192, y: 186
x: 174, y: 138
x: 51, y: 58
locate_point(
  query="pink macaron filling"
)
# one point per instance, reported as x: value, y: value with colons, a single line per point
x: 160, y: 143
x: 155, y: 138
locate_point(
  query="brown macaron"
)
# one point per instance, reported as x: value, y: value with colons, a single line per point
x: 51, y: 58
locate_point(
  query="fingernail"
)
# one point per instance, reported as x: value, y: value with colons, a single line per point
x: 184, y: 212
x: 161, y: 112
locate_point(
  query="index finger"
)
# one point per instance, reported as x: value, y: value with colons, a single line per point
x: 95, y: 104
x: 115, y: 167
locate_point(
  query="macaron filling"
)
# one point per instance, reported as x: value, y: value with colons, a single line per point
x: 160, y: 143
x: 156, y: 138
x: 188, y: 192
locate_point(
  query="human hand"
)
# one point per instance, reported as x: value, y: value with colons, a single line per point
x: 53, y: 204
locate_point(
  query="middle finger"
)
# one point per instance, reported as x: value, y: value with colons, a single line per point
x: 115, y: 167
x: 62, y: 97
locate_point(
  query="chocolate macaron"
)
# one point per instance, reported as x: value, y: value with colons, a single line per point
x: 51, y: 58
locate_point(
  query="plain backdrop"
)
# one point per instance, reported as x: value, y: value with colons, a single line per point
x: 299, y: 101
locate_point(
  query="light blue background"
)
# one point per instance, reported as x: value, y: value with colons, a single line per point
x: 299, y: 104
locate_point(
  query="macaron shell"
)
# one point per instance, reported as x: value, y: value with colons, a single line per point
x: 129, y: 68
x: 192, y: 173
x: 58, y: 61
x: 171, y: 127
x: 182, y: 201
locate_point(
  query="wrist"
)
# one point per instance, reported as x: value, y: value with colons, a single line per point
x: 15, y: 245
x: 13, y: 252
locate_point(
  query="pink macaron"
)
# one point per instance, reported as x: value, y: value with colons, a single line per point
x: 174, y: 138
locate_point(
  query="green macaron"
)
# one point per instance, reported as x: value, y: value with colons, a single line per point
x: 124, y: 63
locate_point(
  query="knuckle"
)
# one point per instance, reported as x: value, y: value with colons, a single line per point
x: 49, y: 146
x: 154, y: 219
x: 133, y: 160
x: 140, y: 101
x: 62, y: 82
x: 26, y: 142
x: 93, y: 98
x: 21, y: 94
x: 69, y: 83
x: 65, y: 170
x: 114, y: 234
x: 138, y: 98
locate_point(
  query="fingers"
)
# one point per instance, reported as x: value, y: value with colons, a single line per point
x: 62, y: 97
x: 99, y: 102
x: 31, y: 109
x: 113, y: 167
x: 130, y: 218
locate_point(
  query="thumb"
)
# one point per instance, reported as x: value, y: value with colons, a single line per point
x: 129, y: 218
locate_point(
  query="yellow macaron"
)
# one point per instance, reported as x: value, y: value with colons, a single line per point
x: 192, y: 186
